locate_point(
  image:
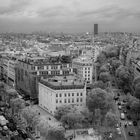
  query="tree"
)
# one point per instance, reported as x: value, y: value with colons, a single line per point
x: 31, y: 117
x: 123, y: 77
x: 112, y: 51
x: 104, y: 68
x: 99, y: 99
x: 71, y: 119
x: 115, y: 63
x: 54, y: 134
x: 101, y: 58
x: 17, y: 105
x: 111, y: 120
x: 11, y: 93
x: 137, y: 91
x: 2, y: 91
x: 98, y: 84
x: 65, y: 59
x: 136, y: 81
x: 105, y: 76
x: 63, y: 110
x: 43, y: 126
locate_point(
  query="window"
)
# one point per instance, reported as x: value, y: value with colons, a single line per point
x: 65, y: 101
x: 60, y: 101
x: 72, y: 100
x: 88, y: 71
x: 65, y: 95
x: 77, y: 94
x: 68, y: 100
x: 68, y: 94
x: 56, y: 95
x: 56, y: 101
x: 81, y: 100
x: 89, y: 68
x: 77, y: 99
x: 72, y: 94
x: 81, y: 94
x: 60, y: 95
x: 85, y: 68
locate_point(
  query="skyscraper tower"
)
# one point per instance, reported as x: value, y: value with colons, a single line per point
x: 95, y: 29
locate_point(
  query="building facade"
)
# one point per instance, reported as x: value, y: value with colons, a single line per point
x: 30, y: 70
x: 62, y: 90
x: 7, y: 66
x: 83, y: 67
x: 95, y: 29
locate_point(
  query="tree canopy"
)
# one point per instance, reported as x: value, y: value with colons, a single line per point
x: 137, y: 91
x: 63, y: 110
x: 99, y: 99
x: 105, y: 76
x: 111, y: 120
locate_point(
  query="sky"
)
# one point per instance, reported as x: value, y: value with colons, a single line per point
x: 69, y: 15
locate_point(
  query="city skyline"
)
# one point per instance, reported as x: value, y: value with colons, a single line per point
x: 69, y: 16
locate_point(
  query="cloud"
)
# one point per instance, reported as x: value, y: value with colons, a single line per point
x: 14, y: 7
x: 54, y: 12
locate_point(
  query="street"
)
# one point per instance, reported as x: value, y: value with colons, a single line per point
x: 129, y: 128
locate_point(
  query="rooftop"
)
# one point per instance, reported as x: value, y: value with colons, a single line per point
x: 83, y: 59
x: 63, y: 82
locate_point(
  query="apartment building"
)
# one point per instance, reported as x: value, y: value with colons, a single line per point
x: 61, y: 90
x: 30, y: 70
x: 83, y: 67
x: 7, y: 68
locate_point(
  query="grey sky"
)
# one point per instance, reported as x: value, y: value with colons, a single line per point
x: 69, y: 15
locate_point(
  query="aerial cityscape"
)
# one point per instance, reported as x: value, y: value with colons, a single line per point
x: 69, y: 70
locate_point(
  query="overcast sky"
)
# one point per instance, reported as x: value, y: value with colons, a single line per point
x: 69, y: 15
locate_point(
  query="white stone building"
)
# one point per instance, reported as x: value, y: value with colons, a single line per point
x: 59, y: 91
x: 84, y: 67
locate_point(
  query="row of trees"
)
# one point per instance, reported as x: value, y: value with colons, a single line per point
x: 115, y: 66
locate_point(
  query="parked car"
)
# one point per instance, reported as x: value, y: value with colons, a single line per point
x: 119, y: 103
x: 119, y: 107
x: 118, y: 130
x: 134, y: 123
x: 130, y: 123
x: 122, y: 117
x: 131, y: 133
x: 128, y: 117
x: 124, y: 111
x: 128, y: 107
